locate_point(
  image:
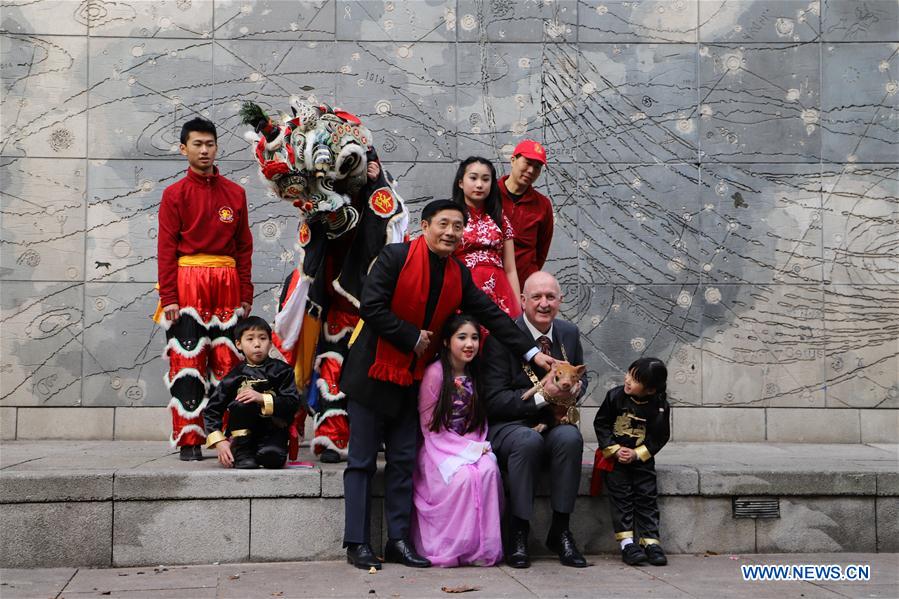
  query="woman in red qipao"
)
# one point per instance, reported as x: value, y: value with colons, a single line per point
x: 487, y: 246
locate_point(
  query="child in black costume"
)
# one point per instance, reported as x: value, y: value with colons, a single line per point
x: 260, y: 397
x: 632, y: 425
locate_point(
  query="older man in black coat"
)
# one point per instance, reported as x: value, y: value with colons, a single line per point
x: 520, y: 449
x: 411, y: 289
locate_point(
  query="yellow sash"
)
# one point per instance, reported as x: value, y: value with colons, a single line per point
x: 207, y: 260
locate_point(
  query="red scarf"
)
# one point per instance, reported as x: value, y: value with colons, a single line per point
x: 409, y: 299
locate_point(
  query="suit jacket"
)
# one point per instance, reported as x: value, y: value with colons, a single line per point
x: 381, y: 322
x: 504, y: 380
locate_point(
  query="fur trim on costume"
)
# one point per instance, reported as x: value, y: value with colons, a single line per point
x: 328, y: 355
x: 317, y: 419
x: 213, y: 322
x: 340, y: 334
x: 175, y: 345
x: 226, y: 341
x: 176, y: 403
x: 324, y: 390
x: 289, y: 318
x: 327, y: 443
x: 397, y: 225
x: 190, y: 428
x: 345, y: 293
x: 185, y: 372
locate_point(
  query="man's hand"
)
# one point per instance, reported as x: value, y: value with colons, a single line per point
x: 543, y: 361
x: 626, y: 455
x: 171, y: 312
x: 424, y: 340
x: 249, y: 396
x: 247, y: 306
x: 373, y: 170
x: 226, y: 458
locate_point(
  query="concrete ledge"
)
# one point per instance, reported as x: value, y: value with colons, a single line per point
x: 64, y: 423
x: 214, y: 484
x: 7, y: 424
x: 813, y: 425
x: 134, y: 503
x: 739, y: 425
x: 787, y: 483
x: 50, y: 486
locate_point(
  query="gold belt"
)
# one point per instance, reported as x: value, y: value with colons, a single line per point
x: 207, y: 260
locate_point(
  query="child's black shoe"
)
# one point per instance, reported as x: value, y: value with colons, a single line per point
x: 633, y: 555
x: 243, y: 449
x: 655, y: 555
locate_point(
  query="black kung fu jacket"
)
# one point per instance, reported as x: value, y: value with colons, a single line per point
x: 273, y: 378
x: 643, y: 425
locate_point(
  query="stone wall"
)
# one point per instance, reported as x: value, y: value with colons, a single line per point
x: 724, y: 175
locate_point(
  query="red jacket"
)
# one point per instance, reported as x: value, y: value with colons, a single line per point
x: 532, y: 222
x: 203, y: 214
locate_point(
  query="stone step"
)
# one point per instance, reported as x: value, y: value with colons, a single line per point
x: 134, y: 503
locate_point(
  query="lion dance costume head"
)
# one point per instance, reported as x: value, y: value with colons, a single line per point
x: 318, y: 158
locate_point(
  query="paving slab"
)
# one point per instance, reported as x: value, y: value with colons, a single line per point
x: 30, y: 583
x: 685, y: 576
x: 71, y: 533
x: 41, y: 486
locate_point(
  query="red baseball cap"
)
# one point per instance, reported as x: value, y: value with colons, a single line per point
x: 530, y: 149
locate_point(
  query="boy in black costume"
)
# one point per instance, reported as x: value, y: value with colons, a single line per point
x: 632, y: 425
x: 260, y: 397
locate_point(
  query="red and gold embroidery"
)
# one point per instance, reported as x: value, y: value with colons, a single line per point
x: 226, y: 214
x: 382, y: 202
x: 305, y: 234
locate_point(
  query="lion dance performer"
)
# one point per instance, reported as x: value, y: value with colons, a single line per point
x: 323, y: 161
x: 205, y: 258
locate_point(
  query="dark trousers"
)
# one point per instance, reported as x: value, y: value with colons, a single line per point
x: 634, y: 499
x: 521, y: 452
x: 267, y: 439
x: 399, y: 433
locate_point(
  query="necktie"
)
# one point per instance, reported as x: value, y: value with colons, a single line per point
x: 545, y: 344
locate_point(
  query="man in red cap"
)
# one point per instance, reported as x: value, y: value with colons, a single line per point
x: 530, y: 211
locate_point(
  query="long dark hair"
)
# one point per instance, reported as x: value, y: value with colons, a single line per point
x: 651, y: 373
x: 477, y: 417
x: 493, y: 204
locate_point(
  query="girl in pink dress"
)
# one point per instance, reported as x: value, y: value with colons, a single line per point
x: 457, y: 487
x: 487, y: 247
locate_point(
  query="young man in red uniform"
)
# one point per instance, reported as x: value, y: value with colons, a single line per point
x: 205, y: 257
x: 530, y: 211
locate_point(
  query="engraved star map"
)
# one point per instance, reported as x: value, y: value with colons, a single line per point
x: 724, y: 173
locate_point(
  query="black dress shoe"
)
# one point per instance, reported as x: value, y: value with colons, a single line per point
x: 362, y: 557
x: 564, y: 545
x: 517, y: 556
x: 633, y: 555
x: 655, y: 555
x: 191, y: 453
x: 401, y: 552
x: 329, y: 456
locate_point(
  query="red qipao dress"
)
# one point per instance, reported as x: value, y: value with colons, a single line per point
x: 482, y: 252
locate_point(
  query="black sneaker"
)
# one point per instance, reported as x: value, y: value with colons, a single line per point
x: 191, y: 453
x: 633, y: 555
x: 329, y: 456
x: 655, y: 555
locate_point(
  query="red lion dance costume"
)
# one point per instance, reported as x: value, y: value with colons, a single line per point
x: 318, y: 160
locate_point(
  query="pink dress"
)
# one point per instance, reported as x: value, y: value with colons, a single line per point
x: 482, y: 251
x: 457, y: 487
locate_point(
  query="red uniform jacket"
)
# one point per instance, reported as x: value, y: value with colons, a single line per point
x: 532, y: 222
x: 203, y: 214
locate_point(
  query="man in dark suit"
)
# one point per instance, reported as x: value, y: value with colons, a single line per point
x: 410, y: 291
x: 520, y: 449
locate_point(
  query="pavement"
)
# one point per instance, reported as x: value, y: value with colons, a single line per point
x: 685, y: 576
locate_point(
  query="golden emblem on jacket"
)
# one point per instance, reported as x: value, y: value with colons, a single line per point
x: 629, y: 425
